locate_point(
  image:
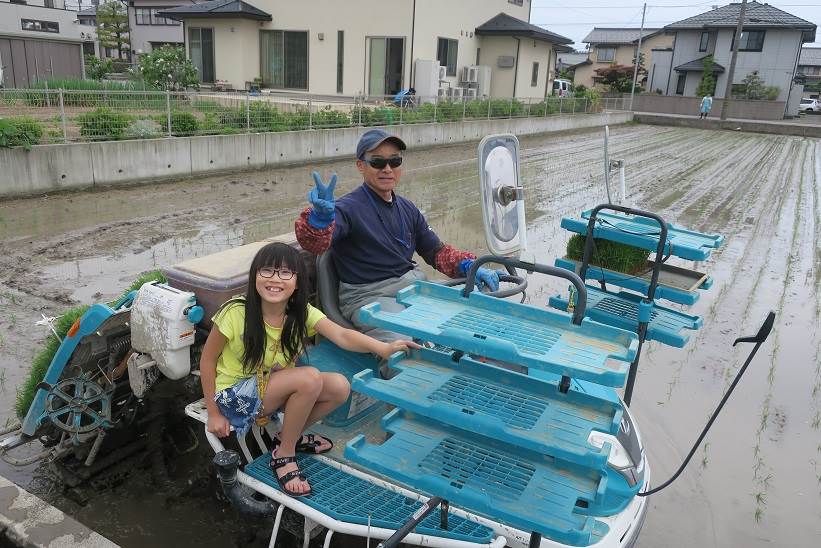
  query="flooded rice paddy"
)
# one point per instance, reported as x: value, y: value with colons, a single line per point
x: 755, y: 482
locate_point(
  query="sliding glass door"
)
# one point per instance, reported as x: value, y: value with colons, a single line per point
x: 385, y: 70
x: 201, y: 52
x: 284, y: 59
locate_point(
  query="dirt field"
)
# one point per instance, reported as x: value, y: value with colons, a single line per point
x: 756, y: 482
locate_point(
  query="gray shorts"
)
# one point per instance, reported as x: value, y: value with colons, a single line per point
x: 352, y: 297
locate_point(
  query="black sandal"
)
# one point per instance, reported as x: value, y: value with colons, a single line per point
x: 310, y: 446
x: 279, y: 462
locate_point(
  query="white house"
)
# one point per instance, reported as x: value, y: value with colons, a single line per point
x: 770, y: 44
x: 372, y: 47
x: 39, y: 39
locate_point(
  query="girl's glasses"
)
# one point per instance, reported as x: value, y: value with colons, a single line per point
x: 378, y: 162
x: 283, y: 273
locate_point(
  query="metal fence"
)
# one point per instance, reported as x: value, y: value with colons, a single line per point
x: 63, y: 116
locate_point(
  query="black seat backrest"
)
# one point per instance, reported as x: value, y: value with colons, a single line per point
x: 327, y: 290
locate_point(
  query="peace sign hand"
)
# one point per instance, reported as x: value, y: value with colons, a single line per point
x: 321, y: 199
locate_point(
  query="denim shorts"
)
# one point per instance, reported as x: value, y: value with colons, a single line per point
x: 240, y: 404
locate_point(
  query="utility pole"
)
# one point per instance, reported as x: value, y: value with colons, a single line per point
x: 728, y: 90
x: 638, y: 57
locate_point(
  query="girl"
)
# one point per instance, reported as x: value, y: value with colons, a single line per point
x: 247, y: 365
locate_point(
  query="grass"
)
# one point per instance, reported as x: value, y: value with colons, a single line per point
x: 42, y: 361
x: 610, y: 255
x: 88, y: 85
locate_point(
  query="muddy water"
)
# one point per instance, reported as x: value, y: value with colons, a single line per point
x: 757, y: 480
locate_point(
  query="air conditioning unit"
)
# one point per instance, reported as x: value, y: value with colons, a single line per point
x: 443, y: 92
x: 443, y: 73
x: 469, y: 75
x: 457, y: 93
x: 470, y: 93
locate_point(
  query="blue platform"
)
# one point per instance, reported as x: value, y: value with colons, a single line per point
x: 507, y: 406
x: 521, y: 488
x: 666, y: 325
x: 525, y: 335
x: 345, y: 497
x: 643, y: 232
x: 635, y: 283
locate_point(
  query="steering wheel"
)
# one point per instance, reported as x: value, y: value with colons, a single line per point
x: 520, y: 284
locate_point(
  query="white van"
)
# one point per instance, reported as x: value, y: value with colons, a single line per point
x: 562, y: 88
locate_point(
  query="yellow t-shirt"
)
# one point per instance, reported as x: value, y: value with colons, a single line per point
x: 230, y: 320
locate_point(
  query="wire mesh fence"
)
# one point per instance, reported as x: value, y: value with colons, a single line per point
x: 62, y: 116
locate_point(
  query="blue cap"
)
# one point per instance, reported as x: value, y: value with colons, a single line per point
x: 373, y: 138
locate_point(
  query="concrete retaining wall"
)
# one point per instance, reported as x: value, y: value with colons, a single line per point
x: 670, y: 104
x: 776, y: 128
x: 53, y: 168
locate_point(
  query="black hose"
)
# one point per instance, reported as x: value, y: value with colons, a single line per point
x: 227, y: 463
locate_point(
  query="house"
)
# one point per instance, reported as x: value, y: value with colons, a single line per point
x: 372, y: 47
x: 149, y: 30
x: 88, y: 18
x: 617, y: 46
x: 769, y: 45
x: 39, y: 39
x: 568, y: 60
x: 809, y: 65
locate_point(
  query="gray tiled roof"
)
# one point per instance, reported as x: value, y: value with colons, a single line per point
x: 616, y: 36
x: 88, y: 11
x: 218, y: 9
x: 506, y: 25
x: 757, y: 15
x: 810, y: 57
x: 698, y: 66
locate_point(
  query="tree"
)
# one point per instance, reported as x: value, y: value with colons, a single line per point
x: 167, y: 68
x: 617, y: 77
x: 112, y: 26
x: 707, y: 86
x: 753, y: 86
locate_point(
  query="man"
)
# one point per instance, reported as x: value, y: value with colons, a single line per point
x: 372, y: 234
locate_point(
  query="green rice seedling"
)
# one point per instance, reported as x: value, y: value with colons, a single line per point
x: 610, y: 255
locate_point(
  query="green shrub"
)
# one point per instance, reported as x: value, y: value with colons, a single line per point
x: 610, y: 255
x: 97, y: 68
x: 183, y: 123
x: 143, y: 129
x: 167, y: 68
x: 21, y: 131
x: 331, y: 118
x: 103, y: 124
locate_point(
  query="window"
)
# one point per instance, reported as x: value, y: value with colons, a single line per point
x: 157, y: 20
x: 446, y: 54
x: 705, y: 40
x: 682, y: 79
x: 605, y: 55
x: 48, y: 3
x: 534, y: 77
x: 39, y: 26
x: 142, y: 16
x: 752, y: 40
x: 88, y: 22
x: 284, y: 59
x: 517, y: 2
x: 340, y: 59
x: 88, y: 48
x: 149, y: 16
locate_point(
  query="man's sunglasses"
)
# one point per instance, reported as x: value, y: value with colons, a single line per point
x: 377, y: 162
x: 283, y: 273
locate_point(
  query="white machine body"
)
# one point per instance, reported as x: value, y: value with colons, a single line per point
x: 160, y: 327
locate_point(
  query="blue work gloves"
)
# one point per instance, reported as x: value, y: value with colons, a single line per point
x: 485, y: 277
x: 322, y: 202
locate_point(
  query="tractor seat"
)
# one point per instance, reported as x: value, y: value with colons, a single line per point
x: 327, y: 290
